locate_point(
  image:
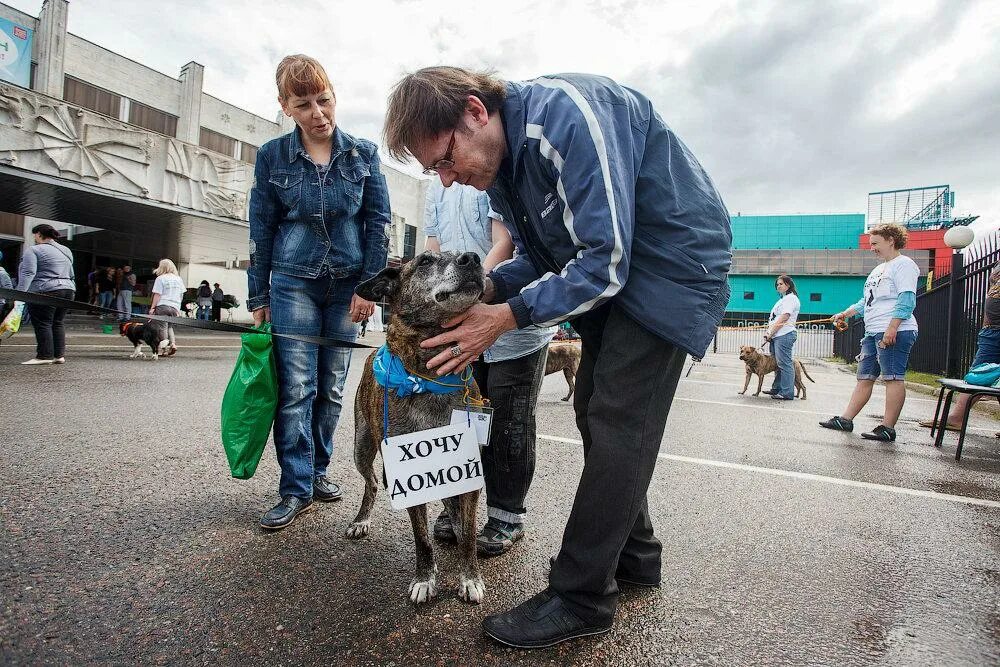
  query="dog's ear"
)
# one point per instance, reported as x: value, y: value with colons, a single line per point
x: 379, y: 287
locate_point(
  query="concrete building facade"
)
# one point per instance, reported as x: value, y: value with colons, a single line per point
x: 135, y: 165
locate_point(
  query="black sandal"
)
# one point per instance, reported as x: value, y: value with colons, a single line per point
x: 838, y: 424
x: 881, y: 433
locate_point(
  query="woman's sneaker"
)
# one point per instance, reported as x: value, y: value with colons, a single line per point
x: 838, y: 424
x: 38, y: 362
x: 497, y: 537
x: 882, y: 433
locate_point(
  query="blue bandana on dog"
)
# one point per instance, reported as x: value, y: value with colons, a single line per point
x: 392, y: 374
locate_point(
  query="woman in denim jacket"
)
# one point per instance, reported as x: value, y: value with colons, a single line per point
x: 318, y: 211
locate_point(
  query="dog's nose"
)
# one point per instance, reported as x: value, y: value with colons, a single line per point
x: 467, y: 258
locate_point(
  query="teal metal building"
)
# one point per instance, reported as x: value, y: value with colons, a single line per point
x: 819, y: 251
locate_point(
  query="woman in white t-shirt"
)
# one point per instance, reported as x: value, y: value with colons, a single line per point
x: 168, y: 292
x: 781, y: 334
x: 889, y: 296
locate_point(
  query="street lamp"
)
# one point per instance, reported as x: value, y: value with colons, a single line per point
x: 956, y: 238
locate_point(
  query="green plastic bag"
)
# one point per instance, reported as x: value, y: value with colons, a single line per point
x: 249, y: 404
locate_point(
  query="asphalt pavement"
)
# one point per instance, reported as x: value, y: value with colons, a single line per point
x: 123, y: 539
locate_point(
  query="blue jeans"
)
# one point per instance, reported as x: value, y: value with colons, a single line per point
x: 310, y: 378
x: 784, y: 374
x: 106, y: 300
x: 988, y: 347
x: 889, y: 361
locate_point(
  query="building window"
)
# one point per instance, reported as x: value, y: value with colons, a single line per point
x: 152, y: 119
x: 815, y: 296
x: 748, y: 296
x: 219, y: 143
x: 82, y: 94
x: 248, y: 152
x: 409, y: 242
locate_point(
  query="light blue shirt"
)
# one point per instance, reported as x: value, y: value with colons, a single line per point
x: 462, y: 221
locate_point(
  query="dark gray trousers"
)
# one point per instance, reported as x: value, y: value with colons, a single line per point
x: 624, y: 388
x: 509, y: 461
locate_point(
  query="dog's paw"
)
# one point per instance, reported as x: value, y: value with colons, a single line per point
x: 471, y: 590
x: 357, y: 530
x: 422, y: 591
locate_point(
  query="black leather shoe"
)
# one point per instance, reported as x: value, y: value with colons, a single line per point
x: 325, y: 490
x: 767, y: 391
x: 624, y: 578
x: 544, y: 620
x: 284, y: 512
x: 444, y: 531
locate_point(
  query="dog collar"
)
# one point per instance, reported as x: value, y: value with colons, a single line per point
x: 392, y: 374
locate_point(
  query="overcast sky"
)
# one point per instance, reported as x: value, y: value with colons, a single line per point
x: 791, y: 106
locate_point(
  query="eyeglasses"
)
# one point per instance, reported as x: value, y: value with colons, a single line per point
x: 446, y: 162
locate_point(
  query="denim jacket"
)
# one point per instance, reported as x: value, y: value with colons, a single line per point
x: 304, y: 221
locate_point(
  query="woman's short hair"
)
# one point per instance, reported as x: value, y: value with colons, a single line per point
x: 46, y: 231
x: 300, y: 75
x: 788, y: 281
x: 895, y: 233
x: 166, y: 266
x: 431, y: 101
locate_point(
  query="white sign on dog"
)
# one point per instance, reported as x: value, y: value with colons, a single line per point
x: 431, y: 465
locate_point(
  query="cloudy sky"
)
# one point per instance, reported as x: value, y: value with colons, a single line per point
x: 793, y: 106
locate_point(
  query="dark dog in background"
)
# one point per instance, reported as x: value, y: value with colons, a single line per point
x: 430, y: 290
x: 138, y: 333
x: 564, y: 357
x: 762, y: 364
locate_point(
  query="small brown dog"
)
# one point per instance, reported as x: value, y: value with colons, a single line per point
x: 427, y: 292
x: 762, y: 364
x: 564, y: 357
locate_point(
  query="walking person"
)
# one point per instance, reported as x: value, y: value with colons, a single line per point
x: 318, y: 210
x: 168, y: 292
x: 217, y: 298
x: 621, y: 231
x: 47, y: 268
x: 125, y: 288
x: 509, y: 373
x: 204, y: 301
x: 887, y: 303
x: 781, y: 334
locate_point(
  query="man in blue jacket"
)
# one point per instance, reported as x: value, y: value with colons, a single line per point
x: 620, y: 231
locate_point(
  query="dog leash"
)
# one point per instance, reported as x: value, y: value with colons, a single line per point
x: 57, y: 302
x: 839, y: 325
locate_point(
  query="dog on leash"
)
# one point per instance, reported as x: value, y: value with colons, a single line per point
x: 427, y: 292
x: 564, y: 357
x: 138, y: 333
x: 761, y: 364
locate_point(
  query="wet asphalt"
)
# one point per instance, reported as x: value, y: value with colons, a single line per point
x: 123, y: 539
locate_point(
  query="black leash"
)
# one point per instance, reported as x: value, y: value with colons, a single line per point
x: 56, y: 302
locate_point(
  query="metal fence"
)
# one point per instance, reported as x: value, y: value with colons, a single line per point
x: 949, y: 315
x: 815, y: 340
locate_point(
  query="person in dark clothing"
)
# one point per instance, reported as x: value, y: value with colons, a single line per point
x: 617, y: 228
x: 106, y: 285
x: 217, y: 298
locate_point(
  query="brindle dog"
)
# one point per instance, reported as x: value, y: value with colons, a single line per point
x: 564, y: 357
x: 762, y: 364
x: 430, y: 290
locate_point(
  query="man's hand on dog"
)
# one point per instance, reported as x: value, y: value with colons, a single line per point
x: 476, y: 329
